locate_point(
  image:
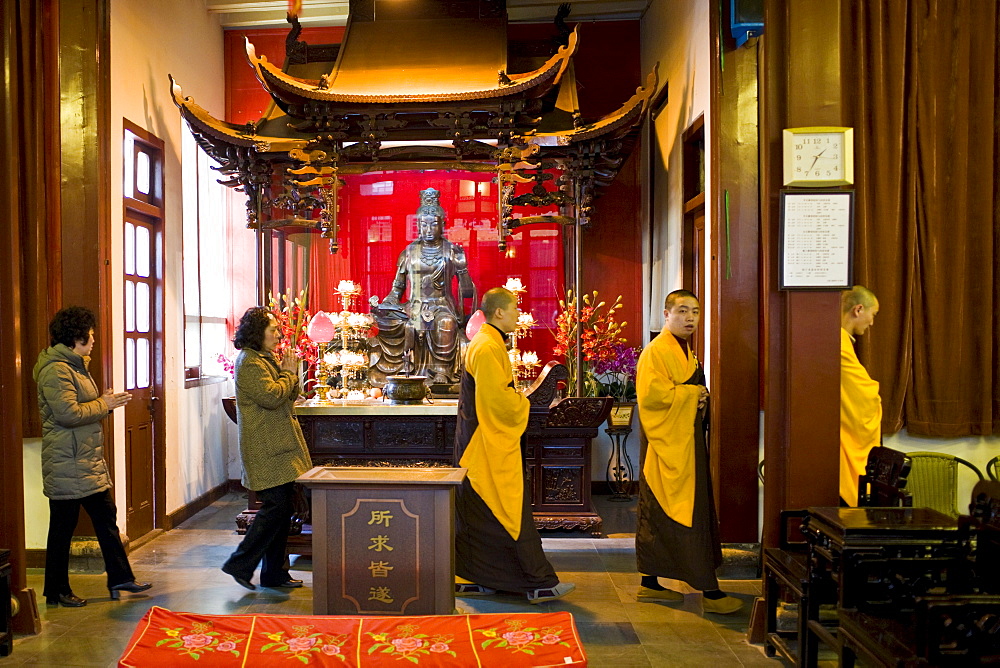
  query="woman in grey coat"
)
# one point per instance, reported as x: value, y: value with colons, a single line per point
x: 272, y: 448
x: 74, y: 472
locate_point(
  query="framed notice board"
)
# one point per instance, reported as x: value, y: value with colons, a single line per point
x: 816, y: 240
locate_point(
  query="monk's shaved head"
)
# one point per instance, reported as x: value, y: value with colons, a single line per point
x: 497, y: 298
x: 858, y: 294
x: 677, y: 294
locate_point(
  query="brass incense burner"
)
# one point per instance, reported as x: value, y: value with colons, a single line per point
x: 405, y: 389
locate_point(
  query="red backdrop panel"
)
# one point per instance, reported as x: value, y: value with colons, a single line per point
x: 378, y: 219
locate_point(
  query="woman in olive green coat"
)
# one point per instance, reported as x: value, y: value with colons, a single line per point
x: 272, y: 448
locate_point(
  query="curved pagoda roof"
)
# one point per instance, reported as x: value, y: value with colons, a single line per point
x: 368, y: 76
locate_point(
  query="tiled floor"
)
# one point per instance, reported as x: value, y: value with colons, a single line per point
x: 184, y: 566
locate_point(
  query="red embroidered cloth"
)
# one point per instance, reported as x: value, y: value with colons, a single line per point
x: 167, y: 638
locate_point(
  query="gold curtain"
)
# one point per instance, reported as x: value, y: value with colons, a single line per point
x: 922, y: 94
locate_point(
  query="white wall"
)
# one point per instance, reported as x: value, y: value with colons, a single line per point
x: 677, y: 35
x: 36, y: 506
x: 150, y: 40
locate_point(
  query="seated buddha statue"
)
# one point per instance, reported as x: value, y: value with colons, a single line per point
x: 424, y: 335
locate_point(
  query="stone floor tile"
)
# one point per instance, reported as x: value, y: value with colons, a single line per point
x: 673, y: 655
x: 629, y: 656
x: 617, y: 630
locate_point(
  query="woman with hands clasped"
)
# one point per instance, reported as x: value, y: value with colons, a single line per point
x: 74, y: 472
x: 272, y: 448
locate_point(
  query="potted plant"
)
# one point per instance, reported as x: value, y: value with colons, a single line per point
x: 615, y: 376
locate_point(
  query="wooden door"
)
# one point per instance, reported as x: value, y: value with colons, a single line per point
x: 141, y: 288
x: 693, y: 265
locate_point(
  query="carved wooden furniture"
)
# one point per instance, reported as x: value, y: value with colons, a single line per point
x: 874, y: 560
x: 384, y: 540
x: 557, y: 446
x: 6, y: 632
x: 380, y: 435
x: 943, y: 631
x: 884, y: 479
x: 785, y: 570
x: 958, y: 628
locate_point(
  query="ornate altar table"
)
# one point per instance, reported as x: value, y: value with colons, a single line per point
x: 374, y: 433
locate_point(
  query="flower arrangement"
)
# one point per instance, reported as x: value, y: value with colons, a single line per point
x: 616, y: 375
x: 600, y: 332
x: 227, y: 364
x: 293, y: 317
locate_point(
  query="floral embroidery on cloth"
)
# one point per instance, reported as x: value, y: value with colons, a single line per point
x: 303, y: 644
x: 200, y: 638
x: 515, y: 635
x: 408, y: 643
x: 167, y: 638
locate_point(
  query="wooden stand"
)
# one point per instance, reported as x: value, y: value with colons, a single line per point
x: 383, y: 540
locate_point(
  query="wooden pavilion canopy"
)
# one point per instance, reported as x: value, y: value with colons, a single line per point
x: 416, y: 85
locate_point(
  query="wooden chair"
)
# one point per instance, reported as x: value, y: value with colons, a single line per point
x: 883, y: 483
x: 933, y: 480
x: 991, y: 468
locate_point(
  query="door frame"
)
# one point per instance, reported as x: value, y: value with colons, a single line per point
x: 154, y: 209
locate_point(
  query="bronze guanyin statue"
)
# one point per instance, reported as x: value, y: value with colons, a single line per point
x: 425, y: 334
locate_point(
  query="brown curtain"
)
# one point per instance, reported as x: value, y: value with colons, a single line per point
x: 29, y: 180
x: 921, y: 90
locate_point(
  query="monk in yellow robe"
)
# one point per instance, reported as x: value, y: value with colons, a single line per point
x: 677, y: 532
x: 496, y: 543
x: 860, y: 404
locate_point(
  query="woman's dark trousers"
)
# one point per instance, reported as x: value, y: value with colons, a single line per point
x: 63, y: 516
x: 266, y: 538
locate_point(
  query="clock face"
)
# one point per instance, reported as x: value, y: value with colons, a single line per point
x: 818, y: 158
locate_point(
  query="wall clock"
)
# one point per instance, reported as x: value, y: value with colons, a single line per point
x: 818, y: 156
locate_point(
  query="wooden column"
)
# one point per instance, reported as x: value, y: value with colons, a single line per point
x: 28, y: 200
x: 85, y: 221
x: 800, y: 86
x: 735, y: 267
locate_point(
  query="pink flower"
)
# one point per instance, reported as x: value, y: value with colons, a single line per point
x: 439, y: 647
x: 227, y: 646
x: 550, y: 639
x: 300, y: 644
x: 330, y: 650
x: 407, y: 644
x: 517, y: 638
x: 196, y: 640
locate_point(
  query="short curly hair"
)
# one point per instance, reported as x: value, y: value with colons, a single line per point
x: 71, y: 325
x: 250, y: 332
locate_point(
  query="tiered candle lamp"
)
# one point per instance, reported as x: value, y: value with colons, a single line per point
x: 342, y: 340
x: 522, y: 363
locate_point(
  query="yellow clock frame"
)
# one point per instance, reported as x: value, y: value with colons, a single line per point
x: 804, y: 163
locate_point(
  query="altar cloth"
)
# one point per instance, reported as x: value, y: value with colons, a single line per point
x: 167, y: 638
